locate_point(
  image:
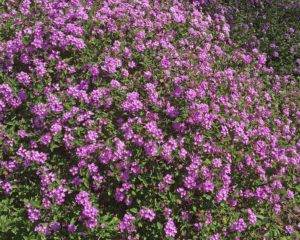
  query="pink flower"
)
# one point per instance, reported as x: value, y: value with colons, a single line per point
x: 289, y: 229
x: 71, y: 228
x: 198, y: 226
x: 255, y: 51
x: 131, y: 64
x: 170, y: 228
x: 182, y: 153
x: 290, y: 194
x: 217, y: 162
x: 238, y: 225
x: 208, y: 186
x: 46, y: 139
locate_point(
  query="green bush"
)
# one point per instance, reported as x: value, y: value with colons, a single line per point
x: 270, y: 26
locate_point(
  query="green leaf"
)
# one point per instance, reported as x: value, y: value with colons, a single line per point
x: 72, y: 221
x: 58, y: 181
x: 134, y: 210
x: 52, y: 146
x: 143, y: 180
x: 86, y: 183
x: 260, y: 217
x: 108, y: 142
x: 156, y: 203
x: 159, y: 225
x: 173, y: 198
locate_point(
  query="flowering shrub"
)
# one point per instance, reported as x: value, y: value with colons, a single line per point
x: 141, y: 120
x: 270, y: 26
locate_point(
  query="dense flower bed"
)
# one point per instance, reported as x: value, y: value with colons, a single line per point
x: 141, y: 120
x: 270, y: 26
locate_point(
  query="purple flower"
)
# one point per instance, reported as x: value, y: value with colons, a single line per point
x: 185, y: 214
x: 22, y: 133
x: 182, y: 192
x: 162, y: 187
x: 208, y: 186
x: 290, y: 194
x: 55, y: 128
x: 54, y: 226
x: 43, y: 229
x: 82, y: 198
x: 151, y: 148
x: 149, y: 87
x: 277, y: 208
x: 125, y: 224
x: 190, y: 182
x: 170, y: 228
x: 132, y: 104
x: 91, y: 137
x: 33, y: 214
x: 25, y: 58
x: 289, y: 229
x: 291, y: 30
x: 182, y: 153
x: 92, y: 168
x: 171, y: 110
x: 71, y: 228
x: 216, y: 236
x: 198, y: 226
x: 46, y: 139
x: 115, y: 84
x: 238, y: 225
x: 217, y: 162
x: 74, y: 170
x: 255, y: 51
x: 252, y: 216
x: 94, y: 71
x: 140, y: 47
x: 167, y: 179
x: 131, y: 64
x: 147, y: 75
x: 147, y: 214
x: 22, y: 96
x: 128, y: 201
x: 222, y: 194
x: 191, y: 94
x: 23, y: 78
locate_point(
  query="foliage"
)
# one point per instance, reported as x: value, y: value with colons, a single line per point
x: 142, y: 120
x: 270, y: 26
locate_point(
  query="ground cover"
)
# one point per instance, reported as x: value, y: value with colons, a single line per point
x: 270, y: 26
x: 146, y: 120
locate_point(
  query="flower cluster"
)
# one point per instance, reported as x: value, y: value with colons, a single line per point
x: 125, y: 224
x: 89, y: 212
x: 170, y: 228
x: 147, y: 214
x: 238, y: 225
x: 33, y: 214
